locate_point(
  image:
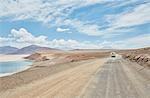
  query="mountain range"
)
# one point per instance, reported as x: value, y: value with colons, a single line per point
x: 25, y: 50
x: 7, y: 49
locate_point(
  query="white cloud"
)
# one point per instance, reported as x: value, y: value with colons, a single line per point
x: 138, y: 41
x: 139, y: 15
x: 118, y: 23
x: 62, y: 29
x: 41, y: 10
x: 133, y: 42
x: 20, y: 38
x: 48, y: 11
x: 93, y: 29
x: 58, y: 10
x: 3, y: 39
x: 89, y: 29
x: 23, y: 36
x: 72, y: 44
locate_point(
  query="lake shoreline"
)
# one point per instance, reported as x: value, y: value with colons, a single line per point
x: 13, y: 58
x: 9, y: 74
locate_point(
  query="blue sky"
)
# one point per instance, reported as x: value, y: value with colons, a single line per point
x: 69, y: 24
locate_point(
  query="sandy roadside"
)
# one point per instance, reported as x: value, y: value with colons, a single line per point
x: 5, y: 58
x: 66, y: 83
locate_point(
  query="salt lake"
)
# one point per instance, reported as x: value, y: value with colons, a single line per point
x: 11, y: 67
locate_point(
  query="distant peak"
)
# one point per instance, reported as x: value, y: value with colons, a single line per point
x: 33, y: 46
x: 8, y: 47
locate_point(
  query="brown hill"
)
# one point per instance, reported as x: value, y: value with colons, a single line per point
x: 57, y: 57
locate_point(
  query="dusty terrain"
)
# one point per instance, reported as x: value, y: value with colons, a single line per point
x: 78, y: 75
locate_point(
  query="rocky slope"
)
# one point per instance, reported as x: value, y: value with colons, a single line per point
x: 141, y: 56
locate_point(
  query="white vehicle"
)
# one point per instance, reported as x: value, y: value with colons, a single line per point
x: 113, y: 54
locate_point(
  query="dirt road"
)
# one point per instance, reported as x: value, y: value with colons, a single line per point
x: 66, y: 84
x: 119, y: 79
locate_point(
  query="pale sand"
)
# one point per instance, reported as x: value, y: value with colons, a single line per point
x: 5, y: 58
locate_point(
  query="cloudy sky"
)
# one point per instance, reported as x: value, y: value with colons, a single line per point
x: 69, y: 24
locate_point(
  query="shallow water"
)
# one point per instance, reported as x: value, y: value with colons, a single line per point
x: 10, y: 67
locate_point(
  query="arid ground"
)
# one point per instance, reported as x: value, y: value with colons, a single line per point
x: 78, y: 74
